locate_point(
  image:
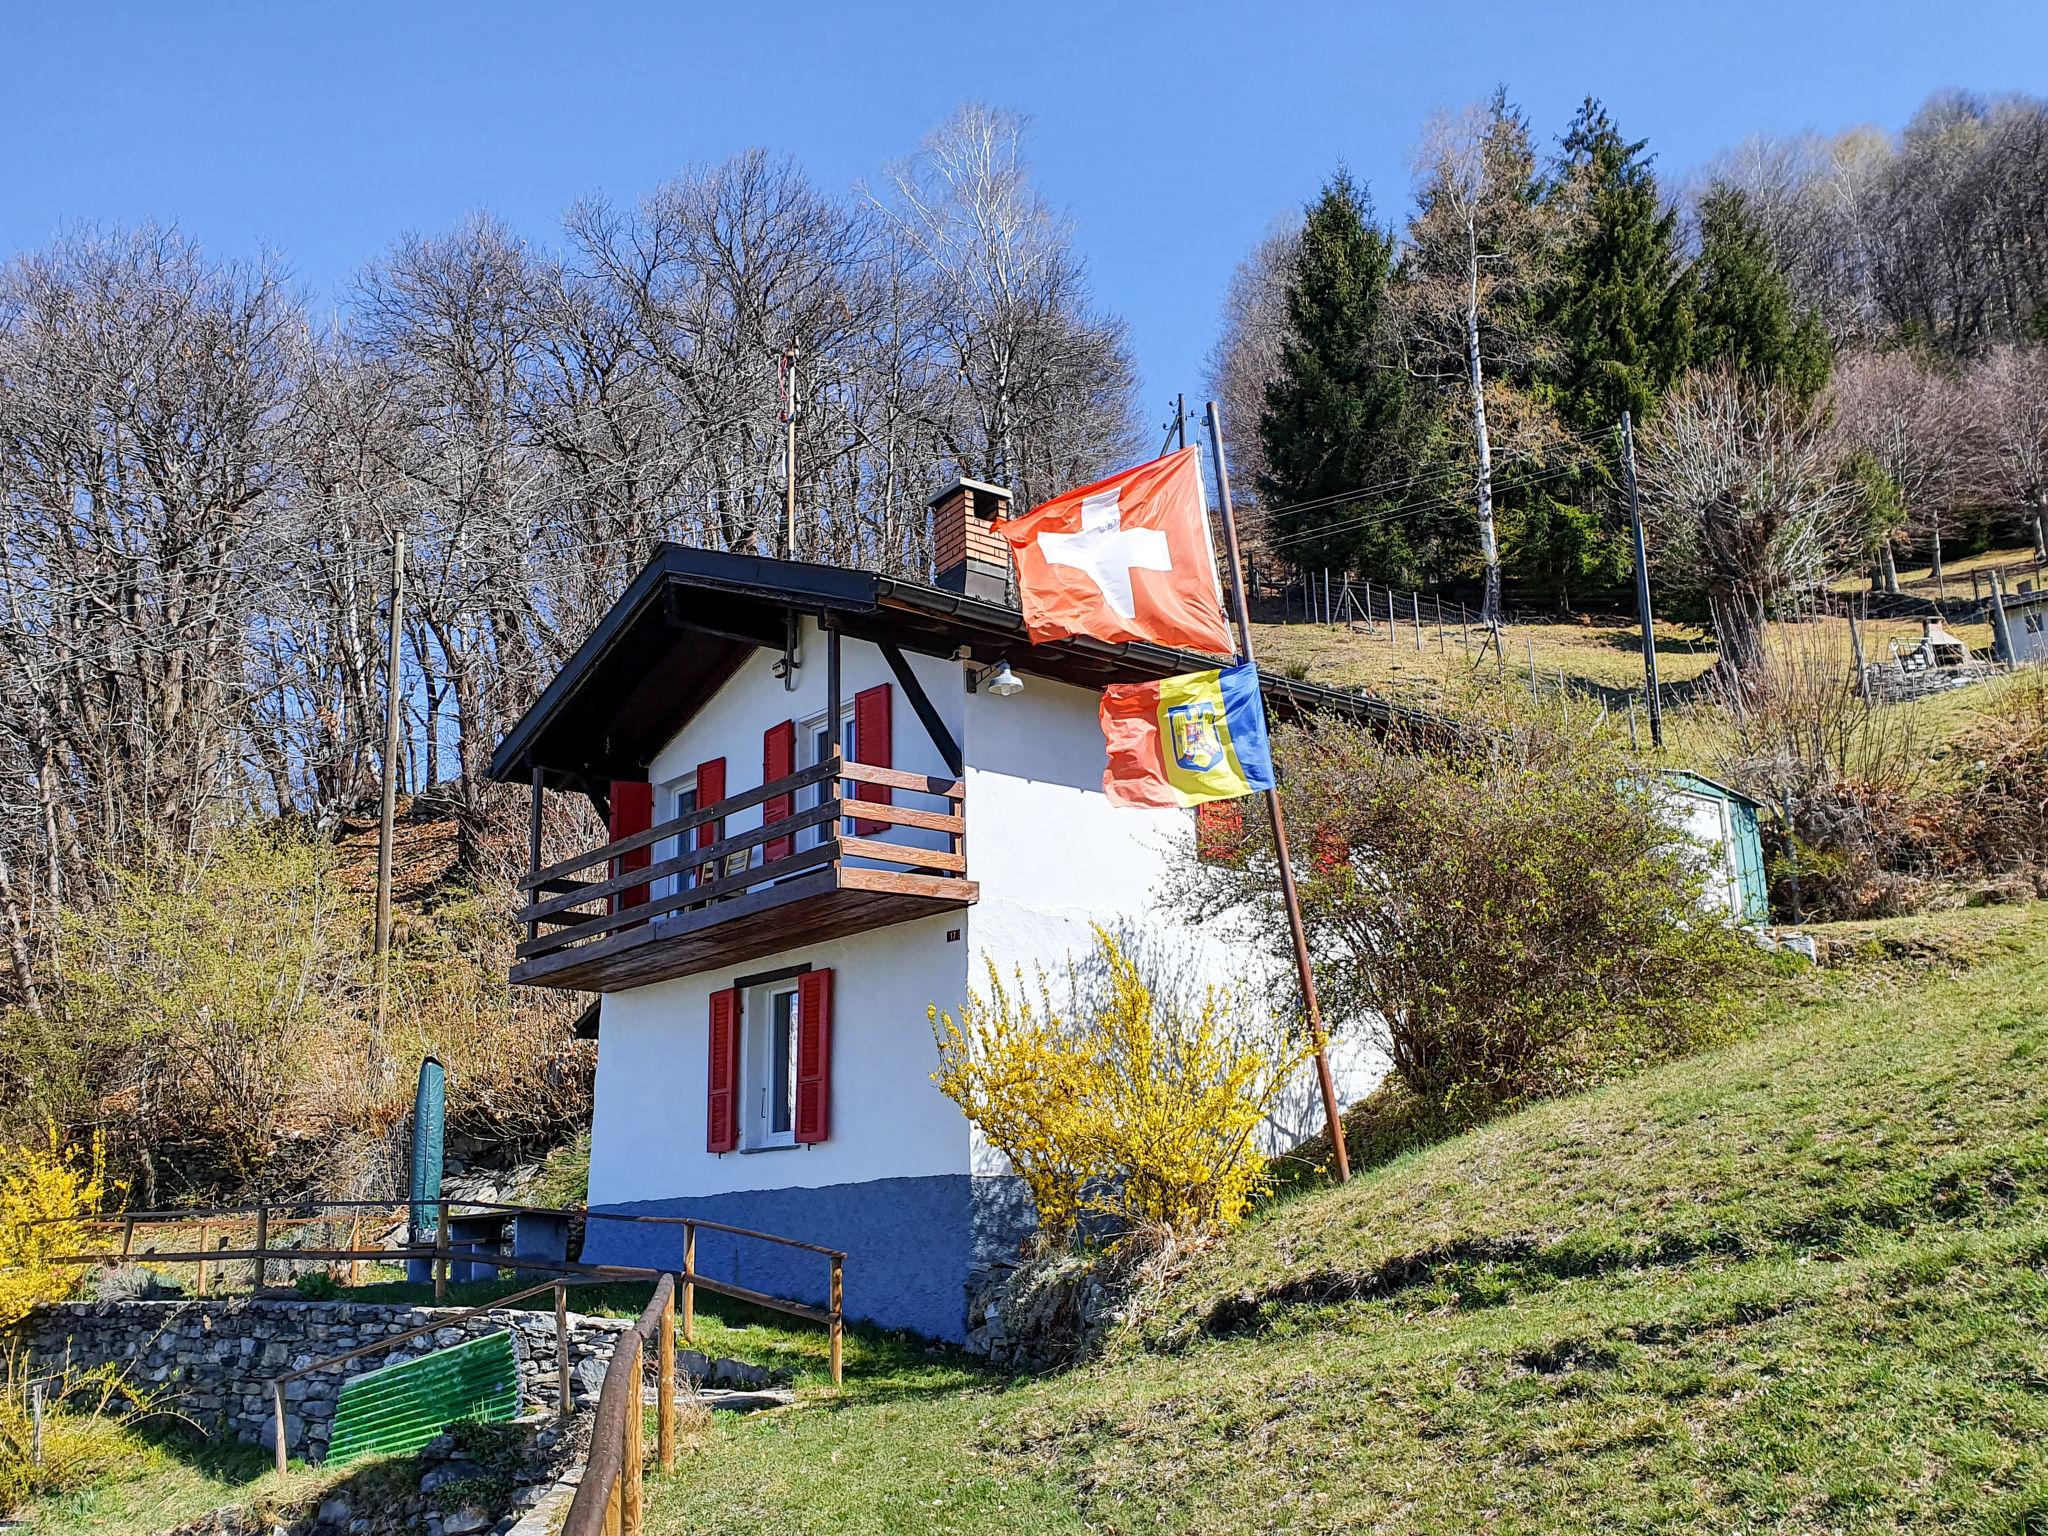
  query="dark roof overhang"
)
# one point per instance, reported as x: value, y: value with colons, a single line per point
x: 692, y: 616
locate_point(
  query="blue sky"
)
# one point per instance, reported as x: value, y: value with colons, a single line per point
x: 1173, y: 134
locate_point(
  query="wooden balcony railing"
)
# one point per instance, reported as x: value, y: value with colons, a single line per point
x: 572, y: 920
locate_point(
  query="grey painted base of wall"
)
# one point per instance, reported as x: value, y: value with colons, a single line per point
x: 911, y: 1245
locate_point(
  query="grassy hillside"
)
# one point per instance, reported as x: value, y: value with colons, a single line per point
x: 1597, y: 656
x: 1799, y: 1284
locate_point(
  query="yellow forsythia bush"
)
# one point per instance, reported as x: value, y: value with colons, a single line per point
x: 1132, y: 1106
x: 47, y: 1194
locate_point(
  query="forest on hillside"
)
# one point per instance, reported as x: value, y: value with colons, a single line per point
x: 1837, y: 342
x: 204, y: 473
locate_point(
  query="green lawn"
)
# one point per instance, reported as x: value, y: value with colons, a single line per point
x: 159, y: 1475
x: 1796, y: 1285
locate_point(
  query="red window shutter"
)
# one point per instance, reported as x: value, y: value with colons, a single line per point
x: 813, y: 1056
x: 778, y: 761
x: 722, y: 1097
x: 632, y: 811
x: 872, y: 739
x: 710, y: 790
x: 1219, y: 831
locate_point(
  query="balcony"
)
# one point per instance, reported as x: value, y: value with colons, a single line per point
x: 799, y: 878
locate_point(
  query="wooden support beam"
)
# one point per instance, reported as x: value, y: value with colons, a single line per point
x: 934, y: 726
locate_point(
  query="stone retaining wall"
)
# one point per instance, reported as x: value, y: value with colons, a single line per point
x: 218, y: 1358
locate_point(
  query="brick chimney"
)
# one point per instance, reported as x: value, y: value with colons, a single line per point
x: 968, y: 555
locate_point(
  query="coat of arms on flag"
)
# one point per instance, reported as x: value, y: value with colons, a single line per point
x: 1184, y: 740
x: 1127, y: 558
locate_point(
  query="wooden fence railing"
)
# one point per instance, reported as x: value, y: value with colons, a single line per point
x: 441, y: 1254
x: 696, y: 874
x: 609, y: 1500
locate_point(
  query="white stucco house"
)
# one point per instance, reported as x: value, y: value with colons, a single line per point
x: 830, y: 808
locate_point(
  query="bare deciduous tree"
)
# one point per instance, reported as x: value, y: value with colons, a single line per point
x: 2007, y: 401
x: 1481, y: 247
x: 1744, y: 505
x: 1045, y: 382
x: 1909, y: 417
x: 1245, y: 359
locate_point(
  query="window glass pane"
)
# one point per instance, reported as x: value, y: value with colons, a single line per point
x: 782, y: 1062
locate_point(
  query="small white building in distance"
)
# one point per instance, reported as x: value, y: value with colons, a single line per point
x: 2026, y: 626
x: 831, y: 806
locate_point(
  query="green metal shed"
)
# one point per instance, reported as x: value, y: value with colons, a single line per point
x: 1725, y: 821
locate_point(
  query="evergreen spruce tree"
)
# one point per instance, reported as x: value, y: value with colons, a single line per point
x: 1620, y: 316
x: 1742, y: 306
x: 1342, y: 412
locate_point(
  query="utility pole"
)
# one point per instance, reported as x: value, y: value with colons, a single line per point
x: 789, y: 414
x: 393, y: 695
x: 1277, y: 822
x: 1177, y: 429
x: 1635, y: 523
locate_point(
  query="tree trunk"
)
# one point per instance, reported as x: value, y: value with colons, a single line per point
x: 1739, y: 632
x: 2041, y: 531
x: 1891, y: 569
x: 17, y: 944
x: 1489, y: 548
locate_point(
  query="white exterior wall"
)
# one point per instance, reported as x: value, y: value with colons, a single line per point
x: 1055, y: 855
x: 648, y: 1131
x: 888, y: 1121
x: 1051, y: 854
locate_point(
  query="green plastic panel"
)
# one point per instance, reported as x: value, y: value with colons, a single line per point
x: 399, y: 1408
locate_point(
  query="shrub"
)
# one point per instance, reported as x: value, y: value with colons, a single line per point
x: 48, y: 1192
x: 1131, y: 1105
x: 82, y: 1435
x: 1511, y: 920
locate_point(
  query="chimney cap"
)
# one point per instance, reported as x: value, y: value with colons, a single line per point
x: 963, y: 483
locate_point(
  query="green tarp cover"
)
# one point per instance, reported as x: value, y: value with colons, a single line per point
x: 399, y: 1408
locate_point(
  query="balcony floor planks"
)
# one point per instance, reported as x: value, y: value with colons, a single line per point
x: 807, y: 910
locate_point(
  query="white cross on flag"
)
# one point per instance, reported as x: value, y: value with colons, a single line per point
x: 1127, y: 558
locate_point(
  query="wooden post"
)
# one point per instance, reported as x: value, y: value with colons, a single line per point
x: 1653, y: 693
x: 612, y: 1504
x: 261, y: 1267
x: 533, y: 850
x: 665, y: 1388
x: 441, y: 1252
x: 277, y: 1406
x: 355, y: 1243
x: 631, y: 1507
x: 838, y: 1319
x: 1856, y: 644
x: 127, y: 1237
x: 1792, y: 863
x: 1415, y: 611
x: 563, y: 1404
x: 689, y: 1282
x: 2001, y: 626
x: 1277, y: 822
x: 205, y: 1238
x: 1393, y: 624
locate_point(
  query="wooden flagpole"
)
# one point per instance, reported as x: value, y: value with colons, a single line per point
x: 1278, y: 823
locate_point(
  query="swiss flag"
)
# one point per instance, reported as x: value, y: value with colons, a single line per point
x: 1127, y: 558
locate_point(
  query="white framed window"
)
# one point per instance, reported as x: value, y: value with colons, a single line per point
x: 813, y: 746
x: 679, y: 799
x: 768, y: 1043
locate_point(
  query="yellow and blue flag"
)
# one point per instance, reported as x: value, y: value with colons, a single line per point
x: 1185, y: 740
